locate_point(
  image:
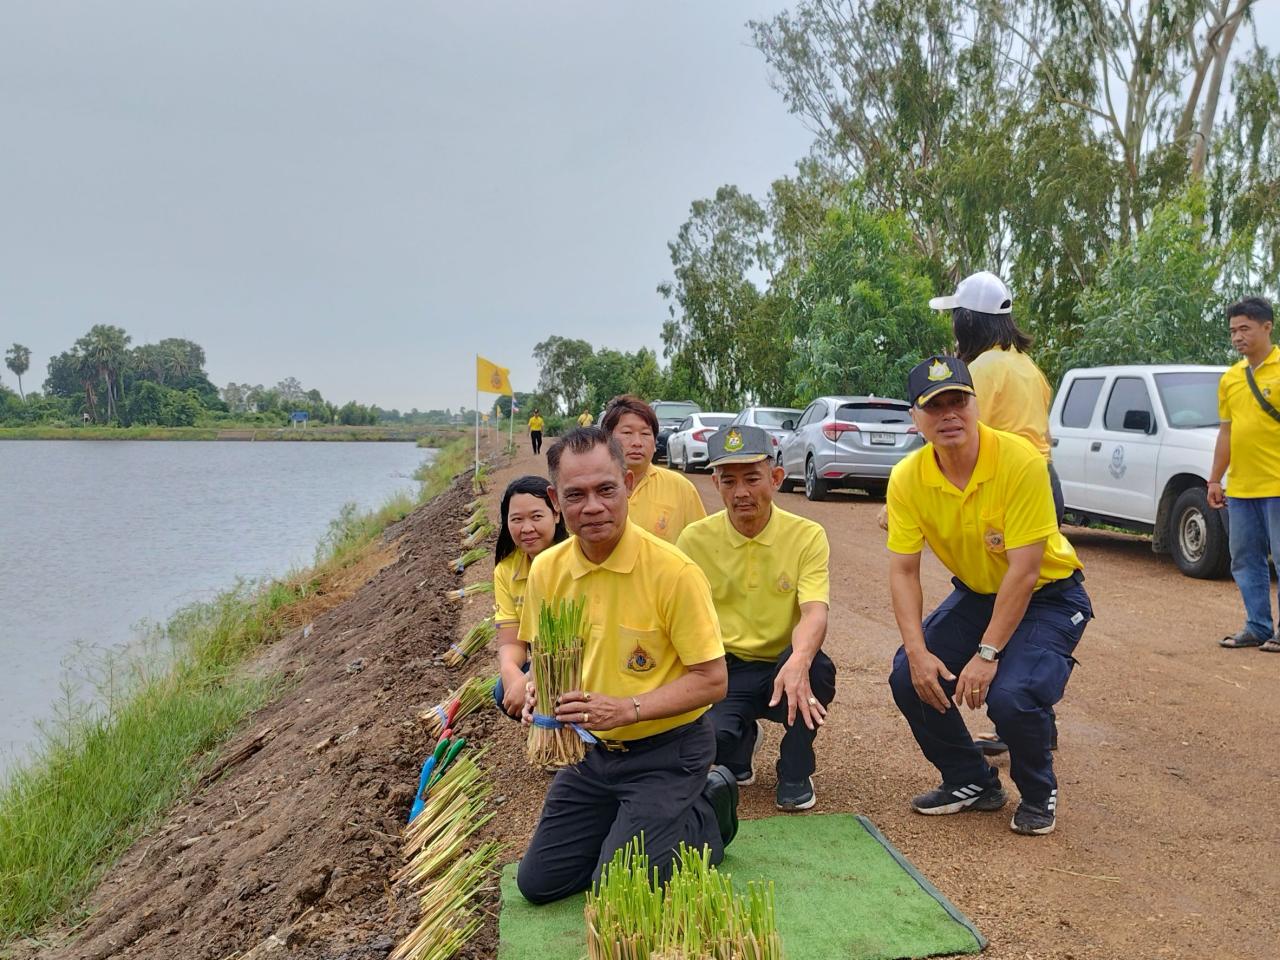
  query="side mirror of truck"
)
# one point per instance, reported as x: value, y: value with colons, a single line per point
x: 1139, y: 420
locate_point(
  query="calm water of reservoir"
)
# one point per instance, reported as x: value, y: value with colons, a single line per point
x: 98, y: 536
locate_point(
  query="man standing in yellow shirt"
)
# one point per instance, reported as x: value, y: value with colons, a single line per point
x: 1249, y: 441
x: 535, y: 430
x: 769, y: 577
x: 585, y: 419
x: 653, y: 664
x: 662, y: 501
x: 1005, y: 636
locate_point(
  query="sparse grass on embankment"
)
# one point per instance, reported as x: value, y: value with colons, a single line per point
x: 103, y: 774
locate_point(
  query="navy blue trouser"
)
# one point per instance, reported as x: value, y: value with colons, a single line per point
x: 1032, y: 673
x: 750, y: 687
x: 596, y: 806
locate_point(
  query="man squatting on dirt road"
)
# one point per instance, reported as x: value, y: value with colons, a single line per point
x: 769, y: 576
x: 652, y: 665
x: 981, y: 500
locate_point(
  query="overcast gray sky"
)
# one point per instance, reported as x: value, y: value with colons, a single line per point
x: 364, y: 194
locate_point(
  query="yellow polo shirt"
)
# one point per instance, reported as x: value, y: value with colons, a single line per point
x: 664, y: 503
x: 509, y: 579
x: 759, y: 583
x: 1013, y: 395
x: 1006, y: 504
x: 649, y: 612
x: 535, y: 423
x: 1255, y: 436
x: 586, y: 420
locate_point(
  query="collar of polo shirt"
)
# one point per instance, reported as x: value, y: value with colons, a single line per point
x: 983, y: 470
x: 765, y: 537
x: 622, y: 560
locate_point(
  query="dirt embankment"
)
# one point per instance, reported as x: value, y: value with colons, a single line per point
x: 1166, y: 844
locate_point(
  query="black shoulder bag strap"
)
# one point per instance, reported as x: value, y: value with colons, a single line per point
x: 1257, y: 395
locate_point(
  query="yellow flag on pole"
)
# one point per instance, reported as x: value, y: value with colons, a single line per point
x: 491, y: 378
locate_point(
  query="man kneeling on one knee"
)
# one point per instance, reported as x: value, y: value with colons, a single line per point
x: 652, y: 664
x: 769, y: 576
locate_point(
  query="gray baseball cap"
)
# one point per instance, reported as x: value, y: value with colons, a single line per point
x: 738, y: 444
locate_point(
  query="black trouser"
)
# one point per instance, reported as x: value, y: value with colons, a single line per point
x: 750, y: 687
x: 536, y: 437
x: 597, y: 806
x: 1031, y: 676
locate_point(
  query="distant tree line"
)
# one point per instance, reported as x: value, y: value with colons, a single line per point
x: 105, y: 381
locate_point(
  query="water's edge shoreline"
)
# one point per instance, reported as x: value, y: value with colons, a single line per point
x: 424, y: 436
x: 97, y: 783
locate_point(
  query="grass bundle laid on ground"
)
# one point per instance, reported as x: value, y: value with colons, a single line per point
x: 480, y: 478
x: 459, y: 564
x: 478, y: 518
x: 556, y: 655
x: 470, y: 590
x: 477, y: 638
x: 471, y: 696
x: 445, y: 878
x: 697, y: 915
x: 478, y: 534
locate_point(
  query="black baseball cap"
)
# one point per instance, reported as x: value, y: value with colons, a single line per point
x: 936, y: 375
x: 738, y: 444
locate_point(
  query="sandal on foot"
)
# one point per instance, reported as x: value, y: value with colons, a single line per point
x: 1243, y: 639
x: 1271, y: 646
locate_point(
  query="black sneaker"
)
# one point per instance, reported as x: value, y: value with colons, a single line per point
x: 1033, y: 820
x: 948, y: 798
x: 721, y: 792
x: 796, y: 795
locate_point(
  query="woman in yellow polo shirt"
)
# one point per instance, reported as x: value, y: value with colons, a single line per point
x: 662, y: 502
x: 529, y: 524
x: 1013, y: 394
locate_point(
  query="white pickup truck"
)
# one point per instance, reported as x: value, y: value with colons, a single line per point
x: 1133, y: 446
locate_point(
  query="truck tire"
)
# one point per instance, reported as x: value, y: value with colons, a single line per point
x: 1197, y: 536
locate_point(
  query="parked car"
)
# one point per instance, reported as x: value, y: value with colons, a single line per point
x: 1133, y: 446
x: 670, y: 414
x: 770, y: 420
x: 847, y: 442
x: 687, y: 444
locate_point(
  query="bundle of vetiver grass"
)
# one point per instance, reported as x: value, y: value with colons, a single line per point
x: 459, y: 564
x: 477, y: 638
x: 470, y: 590
x: 479, y: 478
x: 475, y: 504
x: 470, y: 697
x: 446, y: 879
x: 479, y: 533
x: 695, y: 916
x: 556, y: 655
x: 477, y: 519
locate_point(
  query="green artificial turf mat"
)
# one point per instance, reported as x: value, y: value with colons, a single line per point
x: 842, y: 891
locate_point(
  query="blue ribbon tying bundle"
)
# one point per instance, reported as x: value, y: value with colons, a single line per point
x: 458, y: 650
x: 551, y: 723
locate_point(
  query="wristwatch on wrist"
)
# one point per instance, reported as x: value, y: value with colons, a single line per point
x: 988, y: 653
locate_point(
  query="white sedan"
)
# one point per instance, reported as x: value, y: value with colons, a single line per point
x: 687, y: 446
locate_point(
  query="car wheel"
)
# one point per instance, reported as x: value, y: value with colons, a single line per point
x: 788, y: 485
x: 1197, y: 536
x: 685, y: 465
x: 815, y: 488
x: 671, y: 458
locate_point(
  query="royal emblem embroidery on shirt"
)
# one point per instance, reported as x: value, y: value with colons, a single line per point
x: 660, y: 524
x: 994, y: 539
x: 784, y: 584
x: 640, y: 661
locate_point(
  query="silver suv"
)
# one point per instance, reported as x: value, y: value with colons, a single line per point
x: 847, y: 442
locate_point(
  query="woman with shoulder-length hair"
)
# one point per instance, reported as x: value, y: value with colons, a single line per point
x: 662, y: 502
x: 529, y: 524
x: 1013, y: 394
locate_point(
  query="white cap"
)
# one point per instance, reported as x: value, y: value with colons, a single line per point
x: 982, y: 291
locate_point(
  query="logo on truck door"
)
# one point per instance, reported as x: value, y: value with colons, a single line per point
x: 1118, y: 466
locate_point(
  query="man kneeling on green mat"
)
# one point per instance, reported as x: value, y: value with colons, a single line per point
x: 652, y: 665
